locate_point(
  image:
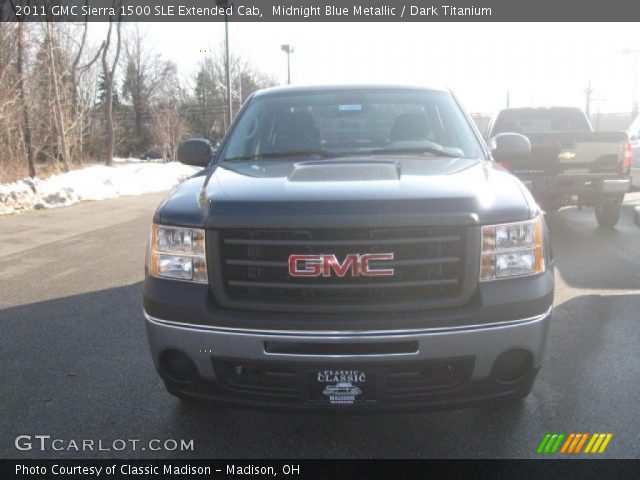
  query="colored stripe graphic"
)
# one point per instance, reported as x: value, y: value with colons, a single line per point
x: 598, y: 443
x: 565, y: 447
x: 555, y: 447
x: 581, y: 443
x: 550, y: 443
x: 573, y: 443
x: 604, y: 445
x: 543, y: 443
x: 594, y: 437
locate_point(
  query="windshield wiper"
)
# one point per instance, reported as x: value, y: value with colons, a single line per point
x: 435, y: 151
x: 289, y: 153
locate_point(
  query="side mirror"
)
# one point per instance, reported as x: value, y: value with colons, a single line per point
x: 636, y: 216
x: 196, y: 152
x: 509, y: 146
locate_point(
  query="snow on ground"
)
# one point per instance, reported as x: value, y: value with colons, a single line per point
x: 96, y: 182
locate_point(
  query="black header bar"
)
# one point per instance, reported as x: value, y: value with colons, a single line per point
x: 318, y: 469
x: 321, y: 10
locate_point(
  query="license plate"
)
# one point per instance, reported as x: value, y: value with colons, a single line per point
x: 336, y: 386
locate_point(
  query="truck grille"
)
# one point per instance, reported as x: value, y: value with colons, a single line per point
x: 428, y: 264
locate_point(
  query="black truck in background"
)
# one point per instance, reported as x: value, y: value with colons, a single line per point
x: 569, y: 163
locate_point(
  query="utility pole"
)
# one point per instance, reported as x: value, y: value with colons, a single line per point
x: 205, y: 125
x: 288, y: 49
x: 227, y: 68
x: 635, y: 56
x: 508, y: 98
x: 226, y: 4
x: 598, y: 104
x: 587, y: 98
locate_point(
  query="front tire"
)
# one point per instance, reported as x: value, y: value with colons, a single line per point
x: 608, y: 213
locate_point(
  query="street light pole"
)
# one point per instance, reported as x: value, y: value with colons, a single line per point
x: 587, y: 97
x: 288, y: 49
x: 225, y: 4
x: 227, y: 68
x: 635, y: 55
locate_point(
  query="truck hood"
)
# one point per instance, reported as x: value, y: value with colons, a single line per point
x: 367, y: 190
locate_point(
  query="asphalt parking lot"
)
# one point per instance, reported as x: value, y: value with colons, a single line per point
x: 75, y: 364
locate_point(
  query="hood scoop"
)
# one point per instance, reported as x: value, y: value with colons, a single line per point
x: 344, y: 171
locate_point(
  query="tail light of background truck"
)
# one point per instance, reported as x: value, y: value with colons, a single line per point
x: 627, y: 156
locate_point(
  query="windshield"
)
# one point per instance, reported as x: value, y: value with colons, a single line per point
x: 339, y: 123
x: 541, y: 121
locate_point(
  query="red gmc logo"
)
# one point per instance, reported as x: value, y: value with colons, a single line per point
x: 354, y: 265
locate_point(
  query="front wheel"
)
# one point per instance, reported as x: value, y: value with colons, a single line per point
x: 608, y: 212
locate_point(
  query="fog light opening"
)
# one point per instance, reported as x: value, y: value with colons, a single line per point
x: 512, y: 365
x: 178, y: 366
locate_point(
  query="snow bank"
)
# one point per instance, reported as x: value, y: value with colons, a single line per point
x: 91, y: 183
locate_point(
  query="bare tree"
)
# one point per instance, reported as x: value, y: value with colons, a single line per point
x: 59, y: 114
x: 62, y: 101
x: 209, y: 90
x: 170, y: 125
x: 12, y: 156
x: 144, y: 71
x: 26, y: 121
x: 109, y: 72
x: 77, y: 71
x: 75, y: 67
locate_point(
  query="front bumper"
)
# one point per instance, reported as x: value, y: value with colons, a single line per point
x: 470, y: 350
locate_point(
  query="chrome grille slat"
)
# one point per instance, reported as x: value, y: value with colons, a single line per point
x: 321, y: 286
x: 382, y: 263
x: 325, y: 243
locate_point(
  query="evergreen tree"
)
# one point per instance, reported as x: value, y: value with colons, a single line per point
x: 101, y: 93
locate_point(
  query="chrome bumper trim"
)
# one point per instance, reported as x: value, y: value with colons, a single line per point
x: 347, y: 333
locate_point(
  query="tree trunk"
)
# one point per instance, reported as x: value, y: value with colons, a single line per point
x: 108, y: 127
x: 138, y: 121
x: 75, y: 100
x: 109, y: 74
x: 26, y: 123
x: 57, y: 105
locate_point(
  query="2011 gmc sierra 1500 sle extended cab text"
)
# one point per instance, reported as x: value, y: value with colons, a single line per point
x: 349, y: 248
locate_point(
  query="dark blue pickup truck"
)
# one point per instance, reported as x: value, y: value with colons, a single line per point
x: 349, y: 248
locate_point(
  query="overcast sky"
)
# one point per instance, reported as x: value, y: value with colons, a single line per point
x: 540, y: 63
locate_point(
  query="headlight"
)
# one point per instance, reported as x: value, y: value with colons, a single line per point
x: 178, y: 253
x: 512, y: 250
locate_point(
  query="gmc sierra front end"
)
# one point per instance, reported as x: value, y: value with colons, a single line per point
x: 349, y: 248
